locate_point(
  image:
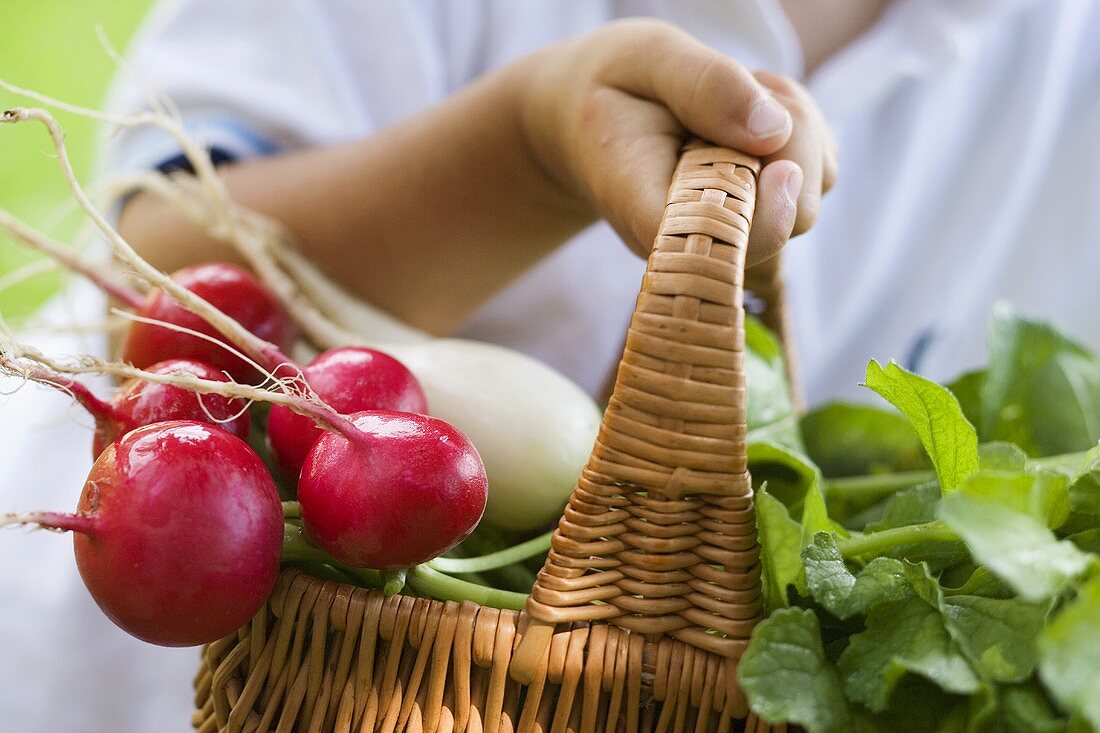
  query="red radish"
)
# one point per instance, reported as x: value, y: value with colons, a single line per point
x: 230, y: 289
x: 395, y: 490
x: 139, y: 403
x: 350, y: 379
x: 179, y: 531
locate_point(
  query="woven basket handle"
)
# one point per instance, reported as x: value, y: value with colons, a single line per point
x: 659, y: 535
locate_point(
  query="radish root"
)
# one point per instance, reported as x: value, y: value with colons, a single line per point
x: 255, y: 237
x: 103, y: 277
x: 291, y: 392
x: 311, y: 300
x: 51, y: 521
x: 256, y: 347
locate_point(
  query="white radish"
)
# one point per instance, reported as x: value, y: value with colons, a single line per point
x: 532, y: 425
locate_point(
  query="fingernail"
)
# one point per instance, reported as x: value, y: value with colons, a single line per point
x: 768, y: 118
x: 792, y: 186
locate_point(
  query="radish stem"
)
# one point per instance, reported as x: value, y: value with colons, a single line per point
x: 494, y: 560
x: 394, y: 581
x: 99, y: 409
x: 878, y: 542
x: 434, y: 584
x: 312, y: 408
x: 863, y: 491
x: 52, y: 521
x: 421, y: 579
x: 102, y: 277
x: 263, y: 351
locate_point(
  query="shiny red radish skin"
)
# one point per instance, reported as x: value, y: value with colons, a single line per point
x: 139, y: 403
x: 230, y: 289
x: 408, y: 488
x: 350, y: 379
x: 179, y: 532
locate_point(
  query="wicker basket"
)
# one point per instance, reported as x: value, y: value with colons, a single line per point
x: 650, y: 591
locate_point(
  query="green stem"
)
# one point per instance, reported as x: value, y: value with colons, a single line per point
x: 394, y: 581
x: 292, y: 510
x: 878, y: 542
x: 428, y: 582
x: 296, y: 548
x: 1064, y: 461
x: 866, y: 490
x: 494, y: 560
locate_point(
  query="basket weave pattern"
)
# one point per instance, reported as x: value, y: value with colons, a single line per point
x: 651, y: 588
x: 660, y: 528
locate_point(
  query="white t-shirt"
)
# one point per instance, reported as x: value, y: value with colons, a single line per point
x: 969, y: 151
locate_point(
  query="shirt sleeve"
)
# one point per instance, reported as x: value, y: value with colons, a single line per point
x: 254, y: 77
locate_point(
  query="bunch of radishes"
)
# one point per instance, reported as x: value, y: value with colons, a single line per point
x: 179, y: 529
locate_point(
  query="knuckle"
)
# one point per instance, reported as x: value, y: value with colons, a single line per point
x: 807, y: 215
x: 644, y: 31
x: 594, y: 108
x: 719, y: 82
x: 781, y: 84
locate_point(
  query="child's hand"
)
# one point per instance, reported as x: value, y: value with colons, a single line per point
x: 418, y: 219
x: 607, y: 113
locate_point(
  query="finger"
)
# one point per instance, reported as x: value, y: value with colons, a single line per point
x: 628, y: 152
x: 777, y: 190
x: 785, y: 87
x: 804, y: 150
x: 808, y: 146
x: 710, y: 94
x: 830, y: 170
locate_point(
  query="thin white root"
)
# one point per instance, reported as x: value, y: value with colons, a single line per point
x: 320, y: 308
x: 102, y: 276
x: 369, y: 324
x: 293, y: 397
x: 256, y: 347
x: 254, y: 238
x: 268, y: 376
x: 26, y: 272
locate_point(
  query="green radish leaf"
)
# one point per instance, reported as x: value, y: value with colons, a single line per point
x: 902, y: 637
x: 1042, y: 390
x: 761, y: 340
x: 918, y: 706
x: 923, y: 584
x: 769, y: 407
x: 1040, y: 494
x: 911, y: 506
x: 997, y: 635
x: 1089, y: 540
x: 1017, y: 709
x: 998, y: 456
x: 967, y: 389
x: 843, y: 594
x: 1015, y: 546
x: 844, y: 439
x: 918, y: 505
x: 780, y: 540
x: 793, y: 479
x: 934, y: 413
x: 981, y: 583
x: 1069, y: 648
x: 787, y: 678
x: 1084, y: 496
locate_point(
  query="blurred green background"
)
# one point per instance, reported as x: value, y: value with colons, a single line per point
x: 51, y: 46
